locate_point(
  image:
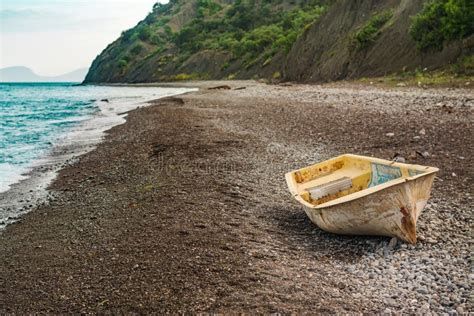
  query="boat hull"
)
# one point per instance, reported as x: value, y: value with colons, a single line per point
x: 392, y: 212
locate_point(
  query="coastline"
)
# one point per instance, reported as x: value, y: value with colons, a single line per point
x: 184, y: 209
x: 31, y: 191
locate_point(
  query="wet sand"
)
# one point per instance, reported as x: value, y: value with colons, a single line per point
x: 184, y: 209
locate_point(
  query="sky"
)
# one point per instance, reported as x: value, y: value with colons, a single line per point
x: 54, y: 37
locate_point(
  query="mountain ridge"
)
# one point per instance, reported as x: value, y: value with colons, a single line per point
x: 25, y: 74
x: 297, y: 40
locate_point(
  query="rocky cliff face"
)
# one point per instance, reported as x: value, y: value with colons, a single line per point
x: 306, y: 41
x: 327, y: 51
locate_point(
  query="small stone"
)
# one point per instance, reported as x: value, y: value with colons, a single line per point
x: 422, y: 290
x: 393, y: 242
x: 416, y: 137
x: 391, y: 302
x: 425, y: 307
x: 424, y: 154
x: 399, y: 159
x: 422, y: 131
x: 390, y: 134
x: 460, y: 309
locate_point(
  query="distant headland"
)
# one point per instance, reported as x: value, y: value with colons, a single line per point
x: 25, y: 74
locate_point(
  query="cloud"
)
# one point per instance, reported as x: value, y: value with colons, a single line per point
x: 56, y: 36
x: 46, y: 15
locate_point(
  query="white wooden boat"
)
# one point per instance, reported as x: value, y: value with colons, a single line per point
x: 359, y: 195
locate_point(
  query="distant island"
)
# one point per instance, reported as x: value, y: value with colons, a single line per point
x: 25, y: 74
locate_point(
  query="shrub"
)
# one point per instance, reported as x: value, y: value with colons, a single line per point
x: 137, y: 49
x: 157, y: 40
x: 186, y: 38
x: 184, y: 77
x: 227, y: 42
x: 368, y: 33
x: 285, y: 42
x: 257, y: 40
x: 144, y: 33
x: 207, y: 8
x: 127, y: 35
x: 225, y: 66
x: 441, y: 21
x: 162, y: 9
x: 465, y: 65
x: 248, y: 29
x: 168, y: 31
x: 122, y: 63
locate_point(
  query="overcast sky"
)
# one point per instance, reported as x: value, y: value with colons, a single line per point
x: 53, y: 37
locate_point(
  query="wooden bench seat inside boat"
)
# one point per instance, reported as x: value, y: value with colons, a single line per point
x: 335, y: 184
x: 344, y: 175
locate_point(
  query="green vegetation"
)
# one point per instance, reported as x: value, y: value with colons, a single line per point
x: 465, y: 65
x: 207, y: 8
x: 123, y: 63
x: 137, y: 49
x: 144, y: 33
x: 185, y: 77
x: 248, y: 29
x: 161, y: 9
x: 252, y: 38
x: 369, y: 32
x: 459, y: 74
x: 442, y: 21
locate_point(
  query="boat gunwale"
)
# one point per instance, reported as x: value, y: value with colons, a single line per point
x: 292, y: 185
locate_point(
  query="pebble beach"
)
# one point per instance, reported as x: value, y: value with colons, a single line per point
x: 184, y: 208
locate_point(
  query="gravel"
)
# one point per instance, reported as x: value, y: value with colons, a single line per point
x: 244, y: 244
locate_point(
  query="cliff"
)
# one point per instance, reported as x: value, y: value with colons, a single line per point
x: 298, y: 40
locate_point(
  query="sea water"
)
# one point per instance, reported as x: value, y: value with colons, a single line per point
x: 34, y: 118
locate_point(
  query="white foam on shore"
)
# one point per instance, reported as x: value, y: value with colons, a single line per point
x: 27, y: 185
x: 10, y: 174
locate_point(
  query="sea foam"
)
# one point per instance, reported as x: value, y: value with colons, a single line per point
x: 37, y: 118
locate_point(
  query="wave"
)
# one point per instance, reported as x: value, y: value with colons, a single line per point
x: 32, y: 151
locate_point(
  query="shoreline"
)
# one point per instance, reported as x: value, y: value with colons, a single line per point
x: 184, y: 209
x: 32, y: 191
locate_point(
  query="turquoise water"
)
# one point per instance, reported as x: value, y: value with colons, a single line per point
x: 36, y: 117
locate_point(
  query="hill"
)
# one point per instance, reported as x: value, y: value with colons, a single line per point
x: 300, y: 40
x: 24, y: 74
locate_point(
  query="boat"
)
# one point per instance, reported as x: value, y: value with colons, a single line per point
x: 358, y: 195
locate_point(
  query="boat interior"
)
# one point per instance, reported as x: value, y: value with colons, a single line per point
x: 348, y: 174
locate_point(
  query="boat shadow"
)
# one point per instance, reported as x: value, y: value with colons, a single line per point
x: 302, y: 233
